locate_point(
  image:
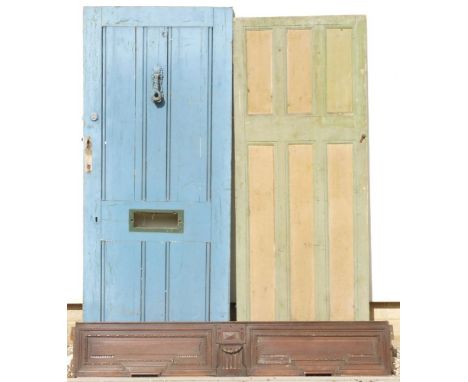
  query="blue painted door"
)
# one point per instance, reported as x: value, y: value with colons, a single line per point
x: 157, y: 171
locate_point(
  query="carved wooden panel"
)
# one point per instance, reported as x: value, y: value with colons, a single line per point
x: 231, y: 344
x: 319, y: 348
x: 144, y: 349
x: 232, y: 349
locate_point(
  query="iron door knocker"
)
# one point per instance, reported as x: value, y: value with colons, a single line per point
x: 158, y: 95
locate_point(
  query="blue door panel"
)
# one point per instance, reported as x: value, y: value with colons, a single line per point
x: 155, y: 281
x: 119, y: 113
x: 189, y: 286
x: 155, y: 126
x: 197, y: 222
x: 121, y: 261
x: 190, y: 128
x: 173, y: 155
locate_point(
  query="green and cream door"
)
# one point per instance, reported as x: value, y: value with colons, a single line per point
x: 301, y: 168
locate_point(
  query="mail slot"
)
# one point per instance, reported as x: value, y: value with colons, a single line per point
x: 156, y: 221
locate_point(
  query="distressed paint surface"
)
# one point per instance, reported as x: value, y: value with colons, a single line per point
x: 339, y: 70
x: 340, y: 230
x: 301, y: 230
x: 172, y: 156
x: 262, y: 231
x: 319, y: 98
x: 259, y: 82
x: 300, y: 70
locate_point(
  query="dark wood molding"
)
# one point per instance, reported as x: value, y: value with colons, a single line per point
x: 232, y: 349
x: 385, y: 304
x: 75, y: 306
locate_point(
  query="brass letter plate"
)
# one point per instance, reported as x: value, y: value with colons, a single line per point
x: 156, y: 221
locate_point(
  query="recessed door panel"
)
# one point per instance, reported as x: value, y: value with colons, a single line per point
x: 259, y: 71
x: 300, y: 71
x: 121, y: 260
x: 155, y: 280
x: 190, y: 123
x: 301, y: 230
x: 118, y: 129
x: 189, y: 288
x: 340, y: 230
x: 262, y: 231
x: 339, y: 47
x: 155, y: 126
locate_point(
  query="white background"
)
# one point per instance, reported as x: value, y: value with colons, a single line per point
x: 418, y: 96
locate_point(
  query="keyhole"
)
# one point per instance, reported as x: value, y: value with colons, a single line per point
x: 157, y: 96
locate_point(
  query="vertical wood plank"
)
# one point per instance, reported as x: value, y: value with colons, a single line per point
x: 155, y: 121
x: 362, y: 279
x: 155, y: 281
x: 92, y: 61
x: 140, y: 144
x: 341, y: 235
x: 361, y: 160
x: 187, y: 282
x: 299, y: 53
x: 221, y: 188
x: 262, y: 232
x: 241, y: 193
x: 339, y: 70
x: 189, y: 97
x: 120, y: 118
x: 301, y: 227
x: 122, y: 275
x: 259, y: 71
